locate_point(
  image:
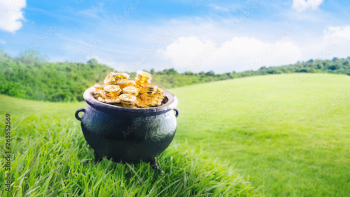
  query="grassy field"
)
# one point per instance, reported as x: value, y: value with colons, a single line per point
x: 49, y: 160
x: 287, y: 134
x: 290, y: 134
x: 52, y: 158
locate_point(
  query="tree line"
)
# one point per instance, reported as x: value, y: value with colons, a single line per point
x: 31, y: 76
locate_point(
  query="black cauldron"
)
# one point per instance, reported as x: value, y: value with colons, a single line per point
x: 128, y: 135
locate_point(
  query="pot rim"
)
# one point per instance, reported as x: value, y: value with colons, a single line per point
x: 169, y: 105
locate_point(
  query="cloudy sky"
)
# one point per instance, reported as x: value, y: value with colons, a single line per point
x: 198, y: 35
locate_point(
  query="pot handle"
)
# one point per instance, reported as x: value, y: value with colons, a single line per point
x: 177, y: 112
x: 77, y: 113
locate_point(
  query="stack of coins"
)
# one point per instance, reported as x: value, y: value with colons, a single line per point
x: 148, y: 89
x: 147, y: 92
x: 153, y: 98
x: 111, y: 91
x: 119, y: 90
x: 158, y: 97
x: 119, y: 76
x: 109, y: 94
x: 125, y: 82
x: 110, y: 79
x: 128, y: 100
x: 142, y: 78
x: 96, y: 90
x: 131, y: 90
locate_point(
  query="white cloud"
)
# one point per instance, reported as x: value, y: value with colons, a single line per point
x: 336, y: 41
x: 11, y: 15
x: 302, y: 5
x: 239, y: 53
x: 342, y: 32
x: 94, y: 11
x: 219, y: 8
x: 186, y: 50
x: 2, y: 41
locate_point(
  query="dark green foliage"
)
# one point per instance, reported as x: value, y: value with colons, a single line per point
x: 30, y: 76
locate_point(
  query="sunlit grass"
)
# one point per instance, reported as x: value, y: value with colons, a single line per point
x: 49, y: 160
x: 290, y: 134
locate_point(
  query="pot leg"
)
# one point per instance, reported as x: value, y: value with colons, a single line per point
x: 98, y: 158
x: 154, y: 165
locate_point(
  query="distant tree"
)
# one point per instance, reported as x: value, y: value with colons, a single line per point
x: 92, y: 61
x: 30, y: 56
x: 210, y: 73
x: 188, y: 73
x: 333, y: 67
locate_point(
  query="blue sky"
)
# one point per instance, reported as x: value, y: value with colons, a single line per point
x: 196, y: 36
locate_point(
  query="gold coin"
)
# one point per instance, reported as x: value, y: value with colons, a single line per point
x: 101, y: 99
x: 130, y: 90
x: 127, y: 98
x: 149, y: 93
x: 148, y: 103
x: 103, y: 93
x: 98, y: 86
x: 118, y: 76
x: 95, y: 91
x: 142, y: 79
x: 144, y: 97
x: 154, y: 103
x: 108, y: 95
x: 144, y: 74
x: 97, y: 95
x: 109, y: 80
x: 150, y: 87
x: 140, y: 85
x: 111, y: 95
x: 112, y: 100
x: 142, y: 104
x: 160, y: 91
x: 125, y: 82
x: 111, y: 89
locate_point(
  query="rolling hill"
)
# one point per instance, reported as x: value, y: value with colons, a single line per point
x: 289, y: 134
x: 286, y: 134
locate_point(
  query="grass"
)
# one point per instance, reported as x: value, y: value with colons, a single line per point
x: 49, y: 160
x: 18, y: 107
x: 287, y: 134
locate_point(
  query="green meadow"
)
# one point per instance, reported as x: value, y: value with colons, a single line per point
x: 276, y: 135
x: 288, y: 134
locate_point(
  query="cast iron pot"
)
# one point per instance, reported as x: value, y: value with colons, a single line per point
x: 128, y: 135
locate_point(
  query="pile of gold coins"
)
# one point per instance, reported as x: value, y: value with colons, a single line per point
x: 119, y: 90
